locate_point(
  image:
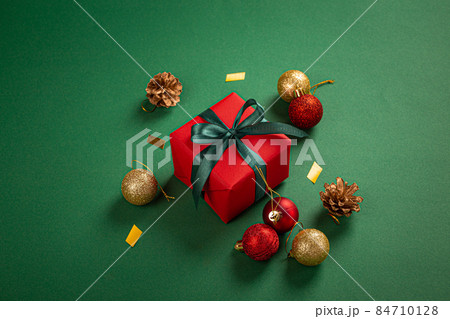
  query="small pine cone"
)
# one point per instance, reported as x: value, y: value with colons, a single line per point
x: 164, y: 90
x: 339, y: 200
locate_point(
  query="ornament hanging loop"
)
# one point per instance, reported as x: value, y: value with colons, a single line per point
x: 315, y: 86
x: 287, y: 239
x: 269, y: 189
x: 162, y: 190
x: 142, y: 106
x: 336, y: 221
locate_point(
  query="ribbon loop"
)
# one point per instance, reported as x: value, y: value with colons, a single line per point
x: 220, y: 135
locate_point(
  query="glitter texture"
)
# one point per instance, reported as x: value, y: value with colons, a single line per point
x: 310, y: 247
x: 139, y: 187
x: 290, y: 81
x: 305, y: 111
x: 260, y: 242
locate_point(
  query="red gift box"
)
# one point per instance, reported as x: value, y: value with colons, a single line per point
x: 230, y: 188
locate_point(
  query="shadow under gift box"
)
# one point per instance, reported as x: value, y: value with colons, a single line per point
x: 230, y: 188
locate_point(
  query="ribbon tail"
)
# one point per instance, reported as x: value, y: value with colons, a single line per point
x: 254, y: 161
x: 201, y: 171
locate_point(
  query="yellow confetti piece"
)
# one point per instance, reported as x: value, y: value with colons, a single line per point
x: 235, y: 77
x: 133, y: 236
x: 158, y: 142
x: 314, y: 172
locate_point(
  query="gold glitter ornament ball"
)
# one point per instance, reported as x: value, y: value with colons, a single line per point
x: 290, y: 81
x: 139, y: 186
x: 310, y: 247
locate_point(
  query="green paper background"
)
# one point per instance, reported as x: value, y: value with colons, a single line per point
x: 70, y: 100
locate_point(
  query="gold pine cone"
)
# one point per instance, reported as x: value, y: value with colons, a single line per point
x: 164, y: 90
x: 339, y: 200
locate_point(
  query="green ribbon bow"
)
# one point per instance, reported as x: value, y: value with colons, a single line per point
x: 222, y: 136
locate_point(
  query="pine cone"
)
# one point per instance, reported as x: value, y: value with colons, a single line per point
x: 338, y: 198
x: 164, y: 90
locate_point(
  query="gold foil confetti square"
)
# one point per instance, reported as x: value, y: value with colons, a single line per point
x: 235, y: 77
x: 158, y: 142
x: 314, y: 172
x: 133, y: 236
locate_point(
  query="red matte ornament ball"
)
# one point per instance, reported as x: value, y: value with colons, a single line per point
x: 305, y: 111
x: 281, y: 215
x: 260, y: 242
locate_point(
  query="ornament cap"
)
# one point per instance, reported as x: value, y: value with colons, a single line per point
x: 298, y: 92
x: 239, y: 246
x: 275, y: 216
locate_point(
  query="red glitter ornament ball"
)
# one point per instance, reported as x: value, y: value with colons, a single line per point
x: 260, y: 242
x: 305, y: 111
x: 281, y: 215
